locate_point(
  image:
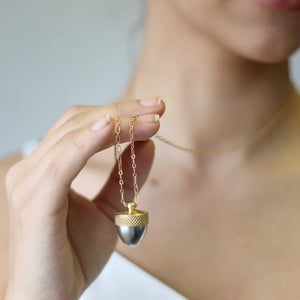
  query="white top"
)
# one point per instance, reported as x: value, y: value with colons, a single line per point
x: 121, y: 279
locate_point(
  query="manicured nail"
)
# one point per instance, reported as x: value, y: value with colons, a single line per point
x: 100, y: 124
x: 154, y: 101
x: 149, y: 118
x: 159, y: 101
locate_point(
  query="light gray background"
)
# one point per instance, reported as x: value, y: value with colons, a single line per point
x: 54, y: 54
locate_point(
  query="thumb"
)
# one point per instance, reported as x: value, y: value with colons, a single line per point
x: 108, y: 200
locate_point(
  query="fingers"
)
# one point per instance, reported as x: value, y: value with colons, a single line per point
x: 51, y: 178
x: 68, y: 114
x: 108, y: 200
x: 81, y: 116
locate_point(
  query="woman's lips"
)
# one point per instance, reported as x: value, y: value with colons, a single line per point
x: 291, y: 5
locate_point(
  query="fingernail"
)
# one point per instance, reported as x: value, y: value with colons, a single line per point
x: 100, y: 124
x: 159, y: 101
x: 149, y: 118
x: 154, y: 101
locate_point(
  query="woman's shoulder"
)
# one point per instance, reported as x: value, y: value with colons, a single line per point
x: 5, y: 164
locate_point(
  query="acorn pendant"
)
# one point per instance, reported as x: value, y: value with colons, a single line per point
x: 131, y: 225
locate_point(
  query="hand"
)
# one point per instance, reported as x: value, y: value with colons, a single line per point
x: 60, y: 240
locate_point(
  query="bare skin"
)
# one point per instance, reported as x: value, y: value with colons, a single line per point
x: 232, y: 221
x: 59, y: 237
x: 223, y: 227
x: 237, y: 228
x: 5, y: 165
x: 233, y: 235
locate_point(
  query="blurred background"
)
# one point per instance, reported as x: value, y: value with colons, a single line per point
x: 55, y: 54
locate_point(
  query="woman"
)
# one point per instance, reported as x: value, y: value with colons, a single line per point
x: 221, y: 226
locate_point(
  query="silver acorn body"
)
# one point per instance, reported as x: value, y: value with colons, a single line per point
x: 131, y: 225
x: 132, y: 235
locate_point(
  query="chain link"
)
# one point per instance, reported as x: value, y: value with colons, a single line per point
x: 134, y: 175
x: 260, y: 133
x: 118, y: 158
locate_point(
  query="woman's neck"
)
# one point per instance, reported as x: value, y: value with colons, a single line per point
x: 214, y: 98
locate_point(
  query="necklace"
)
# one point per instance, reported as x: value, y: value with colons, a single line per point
x: 131, y: 224
x: 255, y: 137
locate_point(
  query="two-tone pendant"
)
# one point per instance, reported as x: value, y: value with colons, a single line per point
x: 132, y: 225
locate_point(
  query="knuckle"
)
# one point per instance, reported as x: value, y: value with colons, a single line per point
x: 72, y: 120
x: 71, y: 137
x: 117, y: 108
x: 75, y: 119
x: 65, y: 138
x: 79, y: 146
x: 53, y: 170
x: 73, y: 111
x: 76, y: 142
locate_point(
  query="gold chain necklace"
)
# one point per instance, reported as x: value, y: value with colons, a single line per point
x: 131, y: 224
x: 118, y: 159
x: 236, y: 147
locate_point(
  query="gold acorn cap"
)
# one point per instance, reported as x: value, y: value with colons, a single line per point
x: 125, y: 219
x: 131, y: 217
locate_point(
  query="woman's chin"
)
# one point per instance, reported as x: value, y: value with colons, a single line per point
x: 270, y: 56
x: 270, y: 50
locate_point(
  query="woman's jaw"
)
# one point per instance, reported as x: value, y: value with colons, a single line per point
x: 254, y: 31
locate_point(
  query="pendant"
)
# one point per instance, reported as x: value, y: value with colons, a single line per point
x: 131, y: 225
